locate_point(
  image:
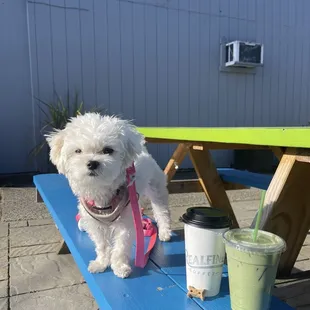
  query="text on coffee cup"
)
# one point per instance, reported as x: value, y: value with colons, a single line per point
x: 204, y: 261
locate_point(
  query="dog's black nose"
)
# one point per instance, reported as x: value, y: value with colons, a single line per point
x: 92, y: 164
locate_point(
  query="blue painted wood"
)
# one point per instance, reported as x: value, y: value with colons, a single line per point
x: 147, y: 288
x: 246, y: 178
x: 171, y: 258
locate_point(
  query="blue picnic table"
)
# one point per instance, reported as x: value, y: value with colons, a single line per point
x: 160, y: 285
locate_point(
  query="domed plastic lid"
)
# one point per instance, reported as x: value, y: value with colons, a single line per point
x: 206, y: 217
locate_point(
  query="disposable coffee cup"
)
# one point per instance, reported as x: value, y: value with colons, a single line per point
x: 204, y: 248
x: 252, y: 267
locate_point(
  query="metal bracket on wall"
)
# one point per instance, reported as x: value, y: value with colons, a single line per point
x: 223, y: 68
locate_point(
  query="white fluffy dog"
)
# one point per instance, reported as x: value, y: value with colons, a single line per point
x: 93, y: 152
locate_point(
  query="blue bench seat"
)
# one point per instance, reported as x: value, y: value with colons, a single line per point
x: 246, y: 178
x: 160, y: 285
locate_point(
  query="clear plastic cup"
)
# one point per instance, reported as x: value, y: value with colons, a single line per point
x: 252, y: 267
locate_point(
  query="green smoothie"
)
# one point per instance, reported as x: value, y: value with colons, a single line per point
x: 252, y: 267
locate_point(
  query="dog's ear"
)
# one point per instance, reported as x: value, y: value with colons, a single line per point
x: 55, y: 140
x: 134, y: 142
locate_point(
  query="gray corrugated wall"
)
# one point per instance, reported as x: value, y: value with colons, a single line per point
x: 157, y: 61
x: 16, y: 121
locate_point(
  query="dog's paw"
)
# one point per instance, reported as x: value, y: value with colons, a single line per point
x: 96, y: 266
x: 164, y: 234
x: 121, y: 270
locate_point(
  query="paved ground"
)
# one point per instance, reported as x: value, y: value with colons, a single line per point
x: 33, y: 277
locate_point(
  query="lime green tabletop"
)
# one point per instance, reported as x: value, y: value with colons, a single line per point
x: 274, y: 136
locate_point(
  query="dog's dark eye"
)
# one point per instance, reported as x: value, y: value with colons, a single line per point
x: 107, y: 150
x: 78, y: 151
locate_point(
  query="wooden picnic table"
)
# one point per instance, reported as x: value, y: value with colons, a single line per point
x: 287, y: 201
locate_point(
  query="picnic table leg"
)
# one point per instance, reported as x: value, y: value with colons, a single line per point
x: 38, y: 196
x: 63, y: 248
x: 211, y: 182
x: 176, y: 159
x: 287, y: 206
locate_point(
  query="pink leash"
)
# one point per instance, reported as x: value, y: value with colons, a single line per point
x: 143, y: 226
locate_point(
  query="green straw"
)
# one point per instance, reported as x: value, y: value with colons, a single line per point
x: 259, y: 215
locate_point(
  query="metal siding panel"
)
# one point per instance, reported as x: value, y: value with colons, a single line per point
x: 214, y: 56
x: 251, y: 14
x: 16, y: 124
x: 194, y: 85
x: 283, y: 10
x: 204, y: 7
x: 151, y: 71
x: 59, y: 51
x: 307, y: 63
x: 194, y: 7
x: 303, y: 113
x: 250, y: 79
x: 173, y: 68
x: 115, y: 73
x: 127, y: 62
x: 204, y: 68
x: 44, y: 51
x: 289, y: 99
x: 158, y: 62
x: 268, y: 65
x: 102, y: 65
x: 74, y: 48
x: 258, y: 87
x: 274, y: 96
x: 88, y: 53
x: 242, y: 9
x: 162, y: 79
x: 173, y: 72
x: 34, y: 77
x: 183, y: 77
x: 299, y: 43
x: 233, y: 77
x: 224, y: 100
x: 241, y: 78
x: 139, y: 64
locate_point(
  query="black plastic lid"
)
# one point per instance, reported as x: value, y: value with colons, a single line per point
x: 206, y: 217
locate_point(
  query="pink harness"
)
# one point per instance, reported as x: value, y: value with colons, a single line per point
x: 143, y: 226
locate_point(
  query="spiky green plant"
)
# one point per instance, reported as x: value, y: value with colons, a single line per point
x: 57, y: 114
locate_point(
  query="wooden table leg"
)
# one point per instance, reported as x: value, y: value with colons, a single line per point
x: 63, y: 248
x: 287, y: 207
x: 211, y: 182
x: 176, y: 159
x: 38, y: 197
